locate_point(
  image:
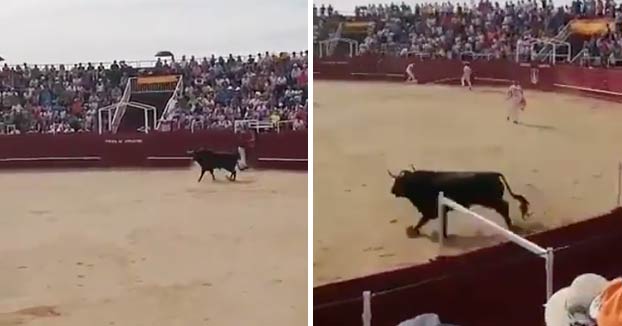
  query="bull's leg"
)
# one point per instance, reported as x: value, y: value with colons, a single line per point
x: 417, y: 229
x: 211, y: 171
x: 503, y: 208
x: 201, y: 176
x: 233, y: 176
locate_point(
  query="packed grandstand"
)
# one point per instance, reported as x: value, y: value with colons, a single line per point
x: 215, y: 92
x: 586, y: 32
x: 582, y: 32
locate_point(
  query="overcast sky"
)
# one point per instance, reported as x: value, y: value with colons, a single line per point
x: 68, y: 31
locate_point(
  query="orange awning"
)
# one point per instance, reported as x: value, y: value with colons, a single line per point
x: 156, y: 80
x: 590, y: 27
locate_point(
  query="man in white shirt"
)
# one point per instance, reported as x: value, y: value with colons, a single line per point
x: 466, y: 76
x: 410, y: 73
x: 517, y: 101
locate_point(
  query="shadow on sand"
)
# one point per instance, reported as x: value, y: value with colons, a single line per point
x: 238, y: 181
x: 467, y: 242
x: 536, y: 126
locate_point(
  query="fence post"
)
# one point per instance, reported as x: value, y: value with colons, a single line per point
x: 619, y: 181
x: 549, y: 272
x: 366, y: 308
x: 441, y: 217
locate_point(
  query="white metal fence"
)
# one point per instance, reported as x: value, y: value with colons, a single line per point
x: 443, y: 202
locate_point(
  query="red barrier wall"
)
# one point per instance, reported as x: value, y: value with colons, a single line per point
x: 502, y: 285
x: 596, y: 81
x: 286, y: 150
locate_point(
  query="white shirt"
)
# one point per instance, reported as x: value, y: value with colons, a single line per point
x: 466, y: 71
x: 515, y: 92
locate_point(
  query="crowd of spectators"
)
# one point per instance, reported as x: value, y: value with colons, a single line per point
x: 217, y: 91
x: 490, y: 29
x: 59, y: 99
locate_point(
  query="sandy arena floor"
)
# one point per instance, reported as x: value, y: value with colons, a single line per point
x: 564, y: 160
x: 152, y: 248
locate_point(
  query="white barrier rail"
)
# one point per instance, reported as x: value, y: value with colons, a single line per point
x: 443, y: 202
x: 547, y: 253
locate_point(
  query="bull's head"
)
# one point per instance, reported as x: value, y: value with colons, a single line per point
x: 398, y: 189
x: 192, y: 153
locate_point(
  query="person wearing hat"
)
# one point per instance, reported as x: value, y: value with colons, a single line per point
x: 575, y: 305
x: 606, y: 308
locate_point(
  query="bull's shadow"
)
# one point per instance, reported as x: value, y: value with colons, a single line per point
x: 537, y: 126
x: 227, y: 182
x: 467, y: 242
x: 457, y: 241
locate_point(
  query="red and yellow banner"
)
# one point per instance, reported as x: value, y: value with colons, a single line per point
x: 156, y: 80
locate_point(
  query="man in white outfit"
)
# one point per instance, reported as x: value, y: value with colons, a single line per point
x: 517, y: 101
x: 466, y: 76
x: 410, y: 72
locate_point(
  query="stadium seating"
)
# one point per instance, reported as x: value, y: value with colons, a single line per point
x: 262, y: 89
x: 483, y: 29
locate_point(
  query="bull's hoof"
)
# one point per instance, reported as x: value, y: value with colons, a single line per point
x: 411, y: 232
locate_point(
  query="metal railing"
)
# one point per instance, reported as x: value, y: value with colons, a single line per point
x: 172, y: 102
x: 258, y: 125
x: 121, y: 106
x: 547, y: 253
x: 443, y: 202
x: 334, y: 40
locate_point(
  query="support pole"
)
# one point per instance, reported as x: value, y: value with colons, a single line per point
x: 146, y: 112
x: 99, y: 121
x: 549, y: 272
x: 366, y: 308
x: 441, y: 217
x: 619, y: 183
x: 110, y: 118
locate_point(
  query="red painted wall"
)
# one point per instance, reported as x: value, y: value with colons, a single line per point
x: 148, y: 150
x: 502, y: 285
x: 597, y: 81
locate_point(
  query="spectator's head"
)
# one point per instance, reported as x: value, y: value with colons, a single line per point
x: 570, y: 306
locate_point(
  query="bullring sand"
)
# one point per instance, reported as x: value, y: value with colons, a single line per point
x: 563, y: 159
x: 152, y: 248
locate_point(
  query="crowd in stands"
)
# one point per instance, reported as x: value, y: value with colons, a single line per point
x: 220, y: 91
x: 217, y: 92
x: 491, y: 29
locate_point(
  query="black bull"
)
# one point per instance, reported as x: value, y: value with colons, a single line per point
x: 466, y: 188
x: 209, y: 161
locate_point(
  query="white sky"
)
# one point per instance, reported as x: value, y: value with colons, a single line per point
x: 70, y: 31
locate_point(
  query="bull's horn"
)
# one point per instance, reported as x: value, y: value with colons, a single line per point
x: 413, y: 167
x: 392, y: 175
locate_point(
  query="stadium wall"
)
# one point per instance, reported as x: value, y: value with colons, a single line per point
x: 599, y: 82
x: 286, y: 150
x: 500, y: 285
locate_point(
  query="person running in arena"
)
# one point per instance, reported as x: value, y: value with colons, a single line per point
x: 517, y: 101
x: 466, y: 76
x: 410, y: 73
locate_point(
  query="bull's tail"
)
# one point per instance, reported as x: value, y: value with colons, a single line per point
x: 523, y: 202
